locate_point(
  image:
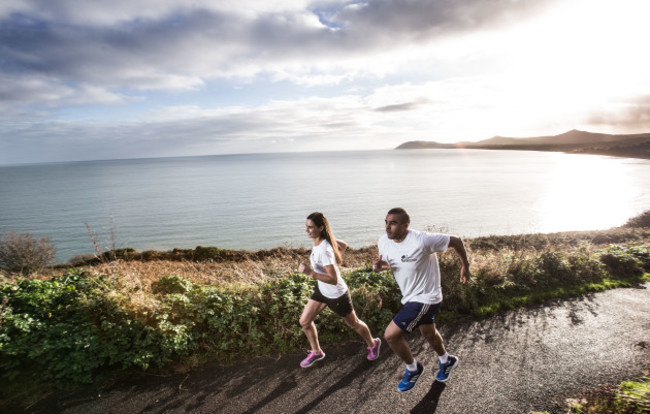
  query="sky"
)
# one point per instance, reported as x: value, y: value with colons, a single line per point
x: 89, y: 80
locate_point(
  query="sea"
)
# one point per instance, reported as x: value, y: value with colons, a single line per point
x: 261, y: 201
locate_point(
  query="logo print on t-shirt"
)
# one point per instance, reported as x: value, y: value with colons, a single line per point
x: 406, y: 258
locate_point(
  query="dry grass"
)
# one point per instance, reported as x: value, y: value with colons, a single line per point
x: 566, y: 241
x: 134, y: 279
x: 491, y: 257
x: 139, y: 275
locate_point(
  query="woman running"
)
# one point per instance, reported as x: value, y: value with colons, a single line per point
x: 331, y: 290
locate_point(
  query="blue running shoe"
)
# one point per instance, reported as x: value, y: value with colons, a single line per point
x: 445, y: 369
x: 410, y: 378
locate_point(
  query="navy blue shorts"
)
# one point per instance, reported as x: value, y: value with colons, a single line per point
x: 342, y: 305
x: 414, y: 314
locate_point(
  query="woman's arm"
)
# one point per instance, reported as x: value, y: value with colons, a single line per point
x: 343, y: 246
x: 329, y: 278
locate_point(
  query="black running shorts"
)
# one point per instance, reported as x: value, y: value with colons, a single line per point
x: 342, y: 305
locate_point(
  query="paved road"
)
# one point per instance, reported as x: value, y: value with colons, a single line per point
x: 523, y: 360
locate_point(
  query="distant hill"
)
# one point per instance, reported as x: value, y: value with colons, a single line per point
x: 424, y: 144
x: 574, y: 141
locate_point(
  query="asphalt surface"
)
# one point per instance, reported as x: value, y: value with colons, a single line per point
x: 521, y: 361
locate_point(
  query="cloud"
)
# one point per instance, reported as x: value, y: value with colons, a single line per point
x: 172, y: 45
x: 47, y: 91
x: 407, y: 106
x: 116, y: 12
x: 308, y: 124
x: 170, y: 77
x: 629, y: 115
x: 421, y: 20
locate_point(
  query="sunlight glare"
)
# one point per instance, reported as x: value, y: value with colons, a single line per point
x: 580, y: 180
x: 583, y: 57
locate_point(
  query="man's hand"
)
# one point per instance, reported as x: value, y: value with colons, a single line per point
x: 464, y: 274
x: 378, y: 265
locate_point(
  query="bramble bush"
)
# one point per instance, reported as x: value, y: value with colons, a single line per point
x: 70, y: 327
x: 67, y: 328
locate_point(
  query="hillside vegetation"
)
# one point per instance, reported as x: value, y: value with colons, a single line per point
x: 153, y: 311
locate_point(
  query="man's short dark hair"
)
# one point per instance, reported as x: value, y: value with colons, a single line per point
x: 401, y: 212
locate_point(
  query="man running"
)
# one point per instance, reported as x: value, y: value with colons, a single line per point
x: 412, y: 257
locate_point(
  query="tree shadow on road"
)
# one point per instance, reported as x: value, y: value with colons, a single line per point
x: 259, y: 385
x: 359, y: 371
x: 280, y: 390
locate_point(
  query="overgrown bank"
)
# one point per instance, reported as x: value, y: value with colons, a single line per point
x: 70, y: 327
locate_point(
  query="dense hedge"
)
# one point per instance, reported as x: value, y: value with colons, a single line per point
x: 69, y: 328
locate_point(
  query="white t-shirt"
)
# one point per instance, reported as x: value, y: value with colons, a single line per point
x: 415, y: 264
x: 321, y: 256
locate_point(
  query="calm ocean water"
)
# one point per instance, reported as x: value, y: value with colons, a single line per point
x: 261, y: 201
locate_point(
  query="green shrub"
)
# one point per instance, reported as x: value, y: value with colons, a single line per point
x: 208, y: 253
x: 172, y: 284
x: 524, y: 272
x: 66, y: 329
x: 554, y: 268
x: 376, y: 296
x: 621, y: 261
x: 284, y: 300
x: 586, y: 267
x: 116, y: 254
x: 642, y: 253
x: 630, y: 397
x: 634, y: 397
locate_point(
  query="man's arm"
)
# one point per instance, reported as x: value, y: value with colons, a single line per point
x: 457, y: 244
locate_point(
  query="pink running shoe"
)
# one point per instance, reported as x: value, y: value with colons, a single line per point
x: 373, y: 352
x: 311, y: 358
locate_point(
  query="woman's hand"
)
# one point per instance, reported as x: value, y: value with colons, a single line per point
x: 305, y: 268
